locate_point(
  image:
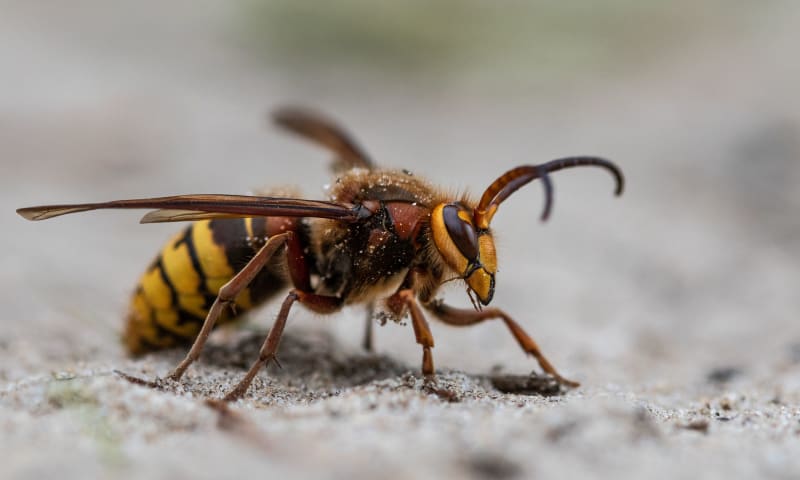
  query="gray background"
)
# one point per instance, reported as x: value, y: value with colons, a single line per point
x: 647, y: 300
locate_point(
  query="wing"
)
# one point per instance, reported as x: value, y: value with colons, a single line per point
x: 325, y: 132
x: 194, y: 207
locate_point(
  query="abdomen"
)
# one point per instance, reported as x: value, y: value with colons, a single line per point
x: 173, y: 296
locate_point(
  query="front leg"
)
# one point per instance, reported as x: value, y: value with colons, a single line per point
x: 397, y: 303
x: 460, y: 317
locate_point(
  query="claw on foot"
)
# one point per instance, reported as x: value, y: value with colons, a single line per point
x: 564, y: 382
x: 568, y: 383
x: 274, y: 359
x: 176, y: 374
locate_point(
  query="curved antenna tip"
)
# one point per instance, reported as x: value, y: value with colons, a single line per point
x: 547, y: 185
x: 620, y: 187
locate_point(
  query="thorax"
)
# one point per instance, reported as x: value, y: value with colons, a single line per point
x: 370, y: 258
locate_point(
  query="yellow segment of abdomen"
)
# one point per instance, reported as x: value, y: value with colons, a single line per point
x: 173, y: 296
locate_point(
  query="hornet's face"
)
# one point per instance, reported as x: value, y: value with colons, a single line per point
x: 462, y: 234
x: 465, y: 248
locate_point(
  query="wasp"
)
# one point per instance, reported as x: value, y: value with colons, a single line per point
x: 384, y: 238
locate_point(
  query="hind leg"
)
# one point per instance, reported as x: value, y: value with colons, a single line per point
x: 227, y: 294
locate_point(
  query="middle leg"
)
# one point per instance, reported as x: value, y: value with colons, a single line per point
x: 366, y: 341
x: 317, y: 303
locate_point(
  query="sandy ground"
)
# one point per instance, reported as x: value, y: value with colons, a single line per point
x: 676, y: 305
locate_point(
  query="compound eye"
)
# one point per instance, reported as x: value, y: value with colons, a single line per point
x: 461, y: 230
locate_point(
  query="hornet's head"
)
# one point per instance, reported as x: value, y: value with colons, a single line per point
x: 461, y: 233
x: 465, y: 248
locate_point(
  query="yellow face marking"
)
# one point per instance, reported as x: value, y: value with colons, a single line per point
x: 481, y: 283
x: 481, y: 271
x: 449, y: 251
x: 488, y: 255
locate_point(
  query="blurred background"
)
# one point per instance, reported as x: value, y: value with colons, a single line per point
x: 694, y: 269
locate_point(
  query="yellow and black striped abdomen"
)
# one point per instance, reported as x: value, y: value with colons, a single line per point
x: 173, y: 296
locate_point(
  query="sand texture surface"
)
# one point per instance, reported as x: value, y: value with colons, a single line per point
x: 677, y: 306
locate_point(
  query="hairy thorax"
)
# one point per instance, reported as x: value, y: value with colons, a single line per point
x: 371, y: 258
